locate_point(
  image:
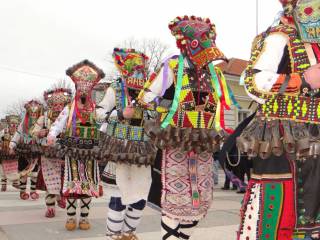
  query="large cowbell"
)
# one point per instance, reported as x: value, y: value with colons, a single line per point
x: 307, y: 18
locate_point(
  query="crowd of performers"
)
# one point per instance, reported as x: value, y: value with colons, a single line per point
x: 152, y: 138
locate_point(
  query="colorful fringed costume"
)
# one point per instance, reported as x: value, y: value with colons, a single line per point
x: 126, y: 147
x: 27, y: 149
x: 283, y: 138
x: 190, y: 95
x: 79, y: 144
x: 9, y: 163
x: 50, y: 177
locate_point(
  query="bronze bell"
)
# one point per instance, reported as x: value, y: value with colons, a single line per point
x: 161, y: 144
x: 187, y: 134
x: 242, y: 144
x: 288, y: 140
x: 312, y: 150
x: 203, y: 135
x: 195, y: 136
x: 316, y: 152
x: 214, y: 147
x: 265, y: 149
x: 303, y: 144
x: 253, y: 146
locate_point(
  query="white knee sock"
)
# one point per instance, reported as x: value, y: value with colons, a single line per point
x: 131, y: 220
x: 115, y: 221
x: 71, y: 208
x: 33, y: 183
x: 169, y: 229
x: 187, y: 229
x: 85, y: 207
x: 50, y: 200
x: 23, y: 183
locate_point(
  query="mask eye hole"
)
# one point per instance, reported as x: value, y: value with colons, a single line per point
x: 194, y: 43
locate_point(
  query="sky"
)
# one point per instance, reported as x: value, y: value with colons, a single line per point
x: 40, y: 39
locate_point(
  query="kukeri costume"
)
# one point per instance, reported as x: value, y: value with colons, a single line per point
x: 9, y: 164
x: 283, y: 138
x: 126, y: 146
x: 190, y: 95
x: 51, y: 167
x: 27, y: 150
x: 79, y: 144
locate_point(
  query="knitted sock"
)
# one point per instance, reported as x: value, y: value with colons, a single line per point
x: 85, y: 207
x: 133, y: 216
x: 3, y: 182
x: 71, y: 208
x: 115, y: 217
x: 169, y: 229
x: 50, y: 200
x: 23, y: 184
x: 33, y: 183
x: 186, y: 230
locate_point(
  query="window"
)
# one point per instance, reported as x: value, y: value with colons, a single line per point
x: 243, y: 114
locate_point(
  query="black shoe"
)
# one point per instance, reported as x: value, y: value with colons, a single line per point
x: 225, y: 188
x: 241, y: 191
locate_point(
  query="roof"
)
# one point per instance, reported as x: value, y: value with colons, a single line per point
x: 235, y: 66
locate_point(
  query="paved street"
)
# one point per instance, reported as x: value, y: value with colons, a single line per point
x: 24, y: 220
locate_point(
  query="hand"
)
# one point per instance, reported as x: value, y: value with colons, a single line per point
x: 128, y: 112
x: 312, y: 76
x: 42, y: 133
x: 51, y: 140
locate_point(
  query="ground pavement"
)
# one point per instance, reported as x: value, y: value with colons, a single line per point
x: 24, y: 220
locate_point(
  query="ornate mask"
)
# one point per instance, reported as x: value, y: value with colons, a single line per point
x: 85, y: 76
x: 57, y: 99
x: 196, y: 39
x: 13, y: 123
x: 132, y: 66
x: 307, y: 19
x: 34, y: 109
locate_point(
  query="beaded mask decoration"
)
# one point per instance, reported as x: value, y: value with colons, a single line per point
x: 57, y: 99
x: 132, y: 66
x: 85, y: 76
x: 34, y: 109
x: 12, y: 123
x: 307, y: 18
x: 195, y: 38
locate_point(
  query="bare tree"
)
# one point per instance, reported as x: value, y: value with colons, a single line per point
x: 15, y: 108
x: 153, y: 48
x: 62, y: 83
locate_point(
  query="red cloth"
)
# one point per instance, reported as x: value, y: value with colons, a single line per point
x: 288, y: 216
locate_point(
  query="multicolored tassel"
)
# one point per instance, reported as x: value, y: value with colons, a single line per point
x: 175, y: 102
x: 224, y: 96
